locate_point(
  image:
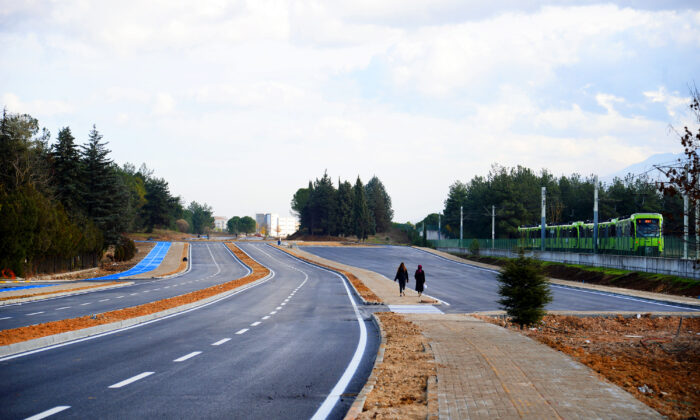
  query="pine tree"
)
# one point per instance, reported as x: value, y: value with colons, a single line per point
x: 324, y: 205
x: 524, y: 290
x: 379, y: 204
x: 345, y: 208
x: 67, y: 171
x: 361, y: 216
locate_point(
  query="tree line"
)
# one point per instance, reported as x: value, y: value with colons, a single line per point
x: 516, y: 194
x: 236, y: 225
x: 62, y: 204
x: 348, y: 210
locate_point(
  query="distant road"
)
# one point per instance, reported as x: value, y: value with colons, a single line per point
x: 276, y: 350
x: 469, y: 288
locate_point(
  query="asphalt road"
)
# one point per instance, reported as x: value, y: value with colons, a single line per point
x: 211, y: 264
x: 275, y: 350
x: 469, y: 288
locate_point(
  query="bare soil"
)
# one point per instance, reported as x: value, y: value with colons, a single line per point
x: 655, y: 359
x: 183, y: 262
x: 630, y: 280
x: 402, y: 378
x: 17, y: 335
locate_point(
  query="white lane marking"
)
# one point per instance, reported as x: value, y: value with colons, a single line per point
x: 218, y: 269
x: 414, y: 309
x: 119, y: 297
x: 126, y: 382
x: 220, y: 342
x: 35, y: 313
x: 187, y: 356
x: 133, y: 294
x: 5, y: 317
x: 146, y: 291
x: 278, y: 308
x: 103, y: 300
x: 47, y: 413
x: 283, y: 303
x: 266, y: 317
x: 255, y: 324
x: 239, y: 332
x: 273, y: 312
x: 286, y: 300
x: 156, y: 289
x: 86, y: 303
x: 62, y: 308
x: 166, y: 287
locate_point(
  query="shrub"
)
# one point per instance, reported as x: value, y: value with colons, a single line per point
x: 524, y: 290
x: 474, y: 248
x: 182, y: 225
x: 125, y: 249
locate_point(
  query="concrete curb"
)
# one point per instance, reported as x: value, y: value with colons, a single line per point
x: 335, y: 270
x: 62, y: 294
x: 601, y: 314
x: 56, y: 339
x: 359, y: 403
x: 189, y: 266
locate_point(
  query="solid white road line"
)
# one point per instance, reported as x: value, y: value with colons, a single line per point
x: 35, y: 313
x: 5, y: 317
x: 187, y: 356
x: 266, y: 317
x: 132, y: 379
x: 220, y: 342
x: 241, y: 331
x: 47, y: 413
x: 255, y: 324
x: 62, y: 308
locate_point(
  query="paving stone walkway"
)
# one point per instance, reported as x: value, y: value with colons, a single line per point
x: 488, y: 372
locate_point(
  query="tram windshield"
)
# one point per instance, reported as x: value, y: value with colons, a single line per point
x: 647, y: 228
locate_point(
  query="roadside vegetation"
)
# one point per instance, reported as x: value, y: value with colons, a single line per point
x: 63, y: 204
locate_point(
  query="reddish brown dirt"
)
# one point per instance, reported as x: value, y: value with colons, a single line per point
x: 633, y: 353
x: 59, y: 291
x: 402, y: 379
x: 17, y: 335
x: 363, y: 290
x: 183, y: 263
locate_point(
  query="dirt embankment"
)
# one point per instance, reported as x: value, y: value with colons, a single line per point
x: 17, y: 335
x: 657, y: 283
x: 655, y: 359
x: 402, y: 378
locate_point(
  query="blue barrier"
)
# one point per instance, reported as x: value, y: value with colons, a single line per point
x: 151, y: 262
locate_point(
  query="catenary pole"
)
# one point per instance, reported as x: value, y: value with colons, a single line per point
x: 544, y: 195
x: 595, y: 216
x: 461, y: 226
x: 439, y: 237
x: 685, y: 225
x: 493, y: 226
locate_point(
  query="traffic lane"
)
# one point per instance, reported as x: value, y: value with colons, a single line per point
x: 469, y: 288
x: 289, y: 361
x: 211, y: 265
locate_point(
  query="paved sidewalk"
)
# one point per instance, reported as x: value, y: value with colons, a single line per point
x: 488, y: 372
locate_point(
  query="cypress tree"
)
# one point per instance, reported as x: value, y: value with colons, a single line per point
x: 524, y: 290
x: 345, y: 208
x: 379, y: 204
x: 361, y: 216
x: 66, y: 170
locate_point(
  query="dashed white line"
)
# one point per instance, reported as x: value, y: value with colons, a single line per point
x: 220, y: 342
x: 278, y: 308
x: 35, y: 313
x: 166, y: 287
x: 255, y: 324
x: 187, y: 356
x: 283, y: 303
x: 132, y: 379
x: 266, y: 317
x: 133, y: 294
x: 156, y: 289
x: 103, y: 300
x: 62, y: 308
x: 86, y: 303
x: 50, y: 412
x: 242, y: 331
x: 119, y: 297
x: 273, y: 312
x: 5, y: 317
x: 286, y: 300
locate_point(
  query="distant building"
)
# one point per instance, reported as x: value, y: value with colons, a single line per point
x: 220, y: 223
x: 270, y: 224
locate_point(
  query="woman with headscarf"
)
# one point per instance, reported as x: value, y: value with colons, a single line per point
x: 402, y: 277
x: 420, y: 280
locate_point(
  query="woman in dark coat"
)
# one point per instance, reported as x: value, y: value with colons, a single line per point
x: 420, y: 280
x: 402, y: 277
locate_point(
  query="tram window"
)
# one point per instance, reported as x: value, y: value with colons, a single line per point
x: 647, y: 228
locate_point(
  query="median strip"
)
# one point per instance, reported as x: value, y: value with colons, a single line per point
x: 20, y: 334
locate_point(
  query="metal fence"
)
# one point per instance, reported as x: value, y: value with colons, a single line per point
x: 674, y: 247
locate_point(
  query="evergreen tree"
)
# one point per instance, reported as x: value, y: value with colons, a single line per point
x: 157, y: 211
x: 233, y: 225
x: 67, y: 171
x: 345, y: 208
x: 104, y: 196
x: 361, y: 216
x: 202, y: 219
x: 524, y: 290
x: 379, y: 204
x: 323, y: 205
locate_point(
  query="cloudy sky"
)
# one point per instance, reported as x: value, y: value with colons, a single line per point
x: 238, y: 104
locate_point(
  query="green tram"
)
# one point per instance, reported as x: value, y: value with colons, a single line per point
x: 640, y: 234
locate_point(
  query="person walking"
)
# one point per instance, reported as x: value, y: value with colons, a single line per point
x: 402, y: 277
x: 420, y: 280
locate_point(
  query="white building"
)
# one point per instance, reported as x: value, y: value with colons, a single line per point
x: 220, y: 223
x: 271, y: 224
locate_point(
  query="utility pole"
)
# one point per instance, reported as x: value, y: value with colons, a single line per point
x: 461, y: 226
x: 493, y: 226
x: 697, y: 226
x: 595, y: 216
x: 439, y: 227
x: 544, y: 198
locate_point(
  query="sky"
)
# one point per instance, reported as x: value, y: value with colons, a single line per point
x: 239, y: 103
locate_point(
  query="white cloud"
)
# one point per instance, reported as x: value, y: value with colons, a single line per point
x: 164, y: 104
x: 37, y: 108
x: 672, y: 101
